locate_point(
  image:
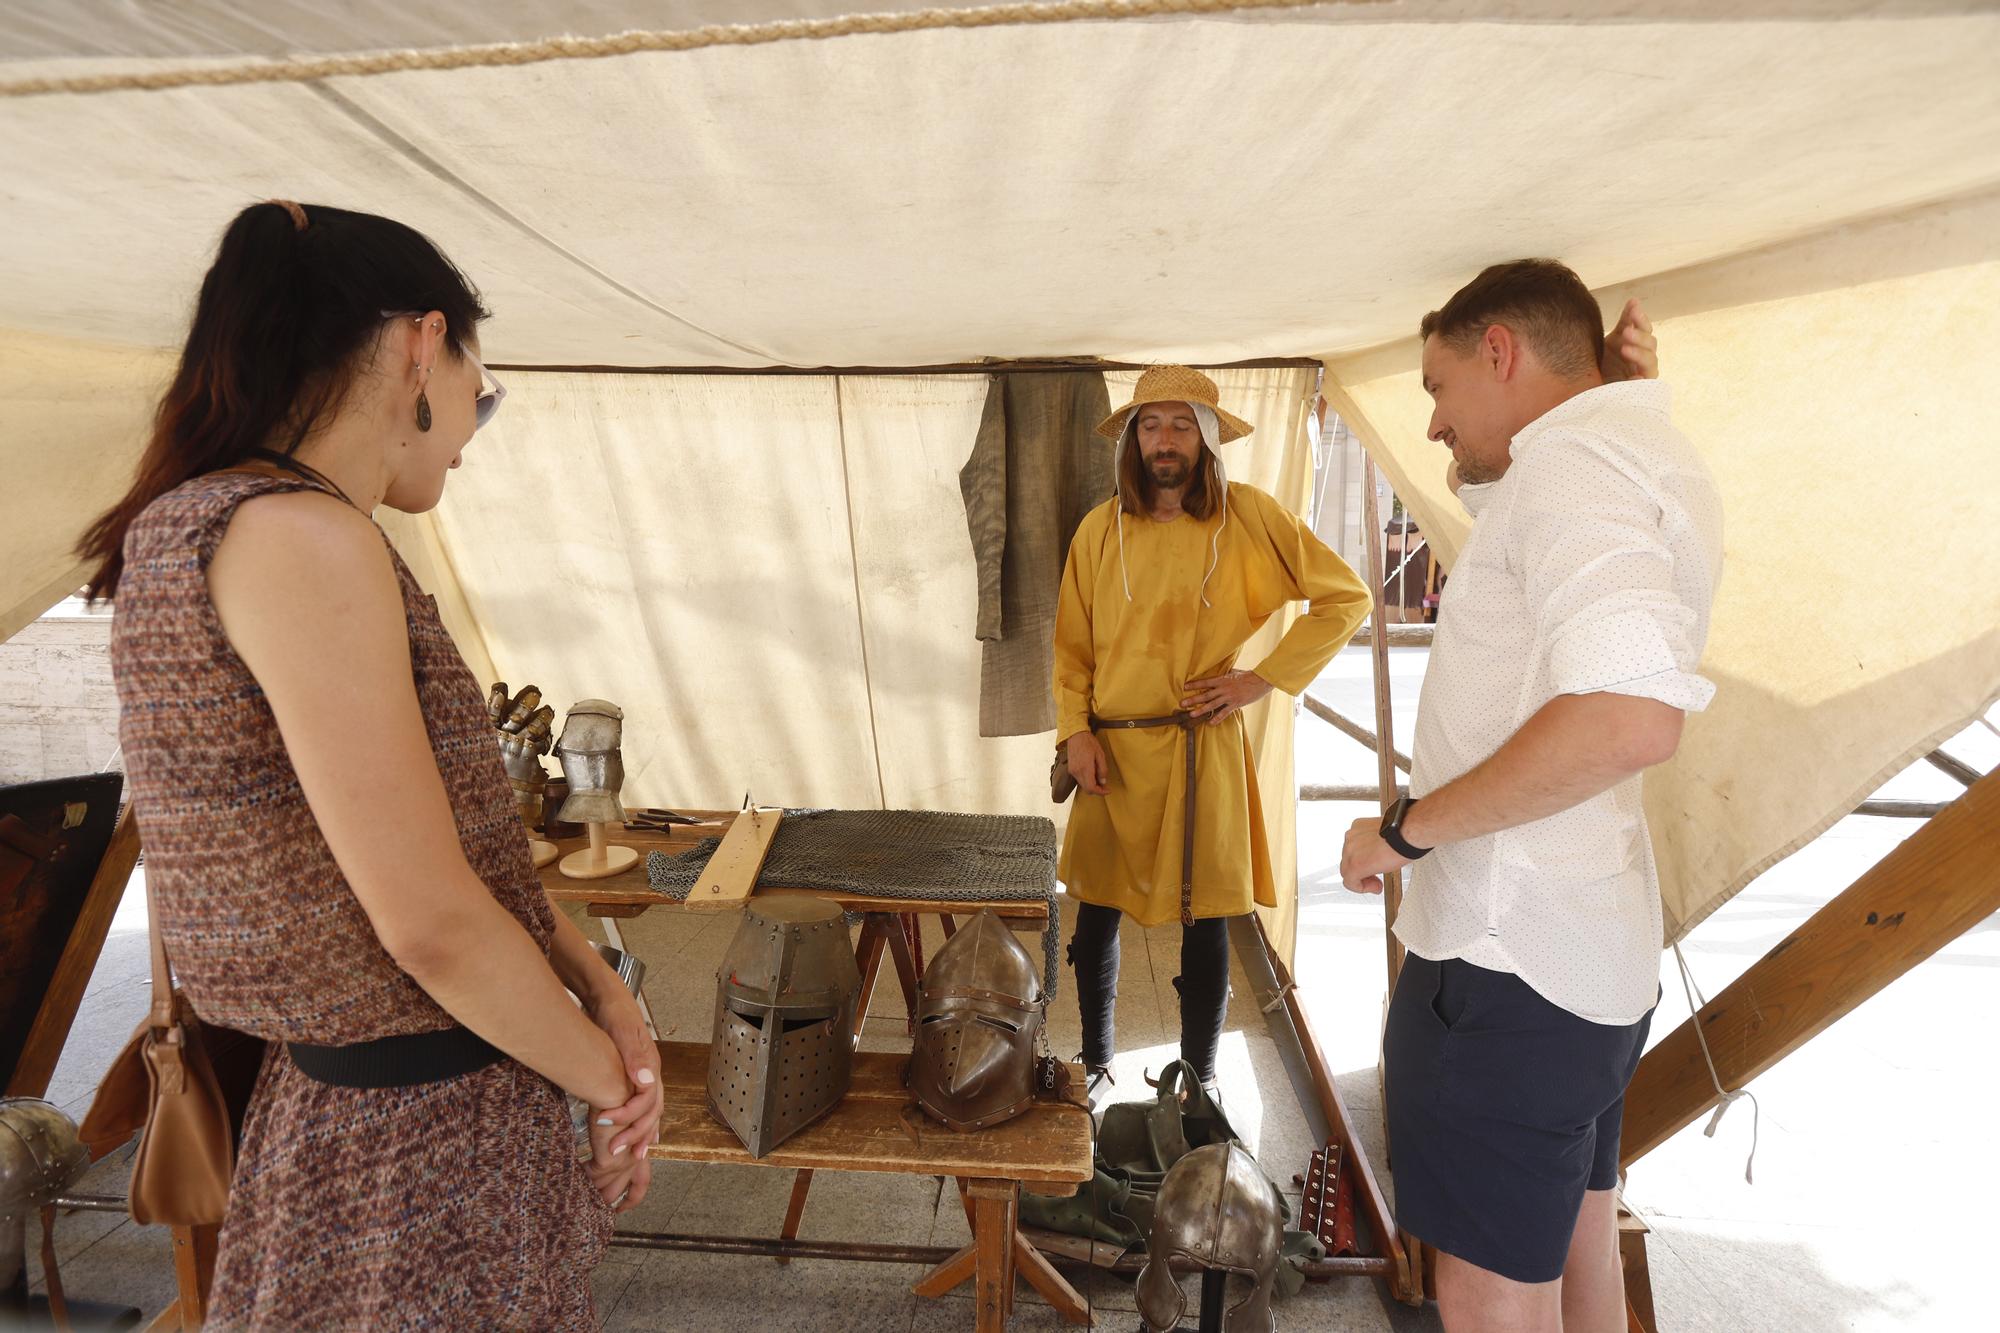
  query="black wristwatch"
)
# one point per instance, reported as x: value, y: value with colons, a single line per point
x: 1392, y: 829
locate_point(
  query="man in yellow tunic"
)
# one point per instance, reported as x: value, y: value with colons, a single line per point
x: 1164, y: 584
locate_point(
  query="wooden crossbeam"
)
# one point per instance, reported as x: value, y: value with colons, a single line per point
x: 1937, y: 884
x: 1347, y: 726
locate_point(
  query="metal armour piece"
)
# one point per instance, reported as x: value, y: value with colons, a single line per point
x: 783, y: 1050
x: 1217, y: 1208
x: 592, y: 764
x: 40, y: 1157
x: 978, y: 1022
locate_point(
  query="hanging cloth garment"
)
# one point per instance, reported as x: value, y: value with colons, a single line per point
x: 1036, y: 469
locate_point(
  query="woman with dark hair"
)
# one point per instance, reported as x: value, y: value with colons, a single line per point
x: 331, y: 843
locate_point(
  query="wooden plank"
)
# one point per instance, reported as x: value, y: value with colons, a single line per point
x: 44, y: 1044
x: 1940, y: 882
x: 1404, y: 1278
x: 730, y: 876
x: 868, y: 1130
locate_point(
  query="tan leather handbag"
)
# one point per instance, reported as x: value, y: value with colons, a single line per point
x: 182, y: 1086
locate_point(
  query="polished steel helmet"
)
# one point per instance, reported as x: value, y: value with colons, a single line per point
x: 40, y: 1157
x: 783, y: 1049
x: 1218, y: 1209
x: 591, y: 763
x: 979, y: 1021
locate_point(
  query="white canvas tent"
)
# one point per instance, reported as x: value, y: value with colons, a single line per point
x: 774, y: 570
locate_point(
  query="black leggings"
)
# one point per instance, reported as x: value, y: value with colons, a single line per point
x: 1203, y: 985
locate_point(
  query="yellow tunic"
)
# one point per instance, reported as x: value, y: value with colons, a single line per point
x: 1128, y: 659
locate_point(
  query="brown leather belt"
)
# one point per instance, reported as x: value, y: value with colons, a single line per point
x: 1186, y: 722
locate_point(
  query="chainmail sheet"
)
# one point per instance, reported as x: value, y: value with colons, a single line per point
x: 899, y: 854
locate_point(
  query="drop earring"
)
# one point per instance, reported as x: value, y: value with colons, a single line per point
x: 423, y: 411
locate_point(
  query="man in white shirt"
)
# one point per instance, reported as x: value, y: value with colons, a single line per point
x: 1564, y: 664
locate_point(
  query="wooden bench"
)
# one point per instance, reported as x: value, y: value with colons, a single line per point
x: 1045, y: 1150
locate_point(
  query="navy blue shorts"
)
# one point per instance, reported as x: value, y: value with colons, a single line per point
x: 1503, y: 1108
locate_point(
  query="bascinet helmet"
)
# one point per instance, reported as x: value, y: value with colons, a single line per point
x: 978, y: 1024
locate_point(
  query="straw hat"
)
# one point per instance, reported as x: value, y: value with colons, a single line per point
x: 1174, y: 384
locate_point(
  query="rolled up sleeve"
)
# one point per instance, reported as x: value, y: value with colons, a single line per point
x: 1599, y: 576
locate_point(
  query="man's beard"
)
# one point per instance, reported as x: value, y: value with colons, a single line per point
x: 1170, y: 471
x: 1471, y: 472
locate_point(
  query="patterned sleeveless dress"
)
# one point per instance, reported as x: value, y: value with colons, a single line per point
x: 455, y: 1204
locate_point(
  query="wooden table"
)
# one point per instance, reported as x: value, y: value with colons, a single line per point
x: 887, y: 924
x: 1046, y: 1149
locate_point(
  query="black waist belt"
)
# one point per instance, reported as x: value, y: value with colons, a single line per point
x: 397, y: 1062
x: 1185, y: 721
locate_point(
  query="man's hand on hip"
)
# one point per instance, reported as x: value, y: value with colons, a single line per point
x: 1088, y: 764
x: 1366, y: 857
x: 1215, y: 698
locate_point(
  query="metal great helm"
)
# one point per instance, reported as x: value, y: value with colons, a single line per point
x: 1217, y: 1208
x: 783, y: 1049
x: 978, y: 1024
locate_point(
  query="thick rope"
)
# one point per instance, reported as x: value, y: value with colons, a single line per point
x: 632, y: 43
x: 1724, y: 1099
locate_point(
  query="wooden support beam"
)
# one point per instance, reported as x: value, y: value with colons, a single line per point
x: 795, y: 1210
x: 1937, y: 884
x: 1900, y: 809
x: 1411, y: 634
x: 1385, y: 727
x: 1405, y: 1278
x: 1960, y: 771
x: 1347, y: 726
x: 1315, y: 792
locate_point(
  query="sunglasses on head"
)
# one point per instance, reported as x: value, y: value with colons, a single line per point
x: 489, y: 399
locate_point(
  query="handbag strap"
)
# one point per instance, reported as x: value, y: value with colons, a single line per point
x: 162, y: 1013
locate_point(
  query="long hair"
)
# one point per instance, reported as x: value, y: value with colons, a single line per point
x: 1135, y: 481
x: 284, y: 314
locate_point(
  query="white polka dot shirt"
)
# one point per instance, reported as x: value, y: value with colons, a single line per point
x: 1591, y: 567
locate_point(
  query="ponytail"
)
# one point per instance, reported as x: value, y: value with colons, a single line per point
x: 293, y: 299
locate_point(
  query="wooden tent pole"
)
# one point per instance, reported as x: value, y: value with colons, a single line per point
x: 1385, y: 776
x: 1385, y: 749
x: 1940, y: 882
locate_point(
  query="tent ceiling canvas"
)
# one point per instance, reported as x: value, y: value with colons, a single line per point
x: 1808, y: 191
x: 1206, y: 189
